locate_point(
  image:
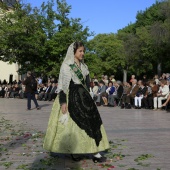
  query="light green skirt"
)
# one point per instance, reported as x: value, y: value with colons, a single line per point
x: 69, y: 138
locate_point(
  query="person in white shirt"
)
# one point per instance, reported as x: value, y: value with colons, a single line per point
x: 95, y: 87
x: 161, y: 95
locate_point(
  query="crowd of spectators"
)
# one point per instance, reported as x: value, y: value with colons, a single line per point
x: 45, y: 91
x: 143, y: 93
x: 106, y: 91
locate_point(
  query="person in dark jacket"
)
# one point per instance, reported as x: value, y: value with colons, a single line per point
x: 116, y: 95
x: 30, y: 93
x: 126, y: 99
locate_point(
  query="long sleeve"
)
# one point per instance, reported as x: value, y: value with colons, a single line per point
x: 26, y: 81
x: 88, y: 82
x: 62, y: 98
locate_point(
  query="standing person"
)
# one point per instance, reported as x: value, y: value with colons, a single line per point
x: 30, y: 89
x: 75, y: 125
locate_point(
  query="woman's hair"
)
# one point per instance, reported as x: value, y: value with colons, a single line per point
x: 110, y: 82
x: 77, y: 45
x: 96, y: 83
x: 101, y: 82
x: 163, y: 81
x: 152, y: 82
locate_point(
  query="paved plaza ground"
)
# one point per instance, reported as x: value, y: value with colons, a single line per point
x: 139, y: 139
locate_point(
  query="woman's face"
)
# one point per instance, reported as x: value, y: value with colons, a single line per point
x: 79, y: 53
x: 110, y: 85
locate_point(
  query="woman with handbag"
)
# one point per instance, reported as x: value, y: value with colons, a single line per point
x: 75, y: 126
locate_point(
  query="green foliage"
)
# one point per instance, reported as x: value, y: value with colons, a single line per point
x: 23, y: 167
x: 6, y: 164
x: 22, y: 37
x: 146, y: 42
x: 40, y: 36
x: 106, y: 51
x: 143, y: 157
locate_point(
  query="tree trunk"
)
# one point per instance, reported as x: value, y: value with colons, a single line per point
x: 124, y: 75
x: 159, y: 69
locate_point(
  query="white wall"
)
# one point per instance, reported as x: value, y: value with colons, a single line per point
x: 6, y: 69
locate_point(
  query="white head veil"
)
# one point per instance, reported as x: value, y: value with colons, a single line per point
x: 69, y: 59
x: 65, y: 70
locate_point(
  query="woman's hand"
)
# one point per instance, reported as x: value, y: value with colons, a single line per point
x: 64, y: 108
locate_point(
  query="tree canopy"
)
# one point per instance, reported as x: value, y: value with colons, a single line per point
x: 38, y: 39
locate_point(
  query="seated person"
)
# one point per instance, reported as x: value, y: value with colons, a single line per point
x: 9, y: 90
x: 107, y: 97
x: 117, y: 94
x: 167, y: 101
x: 41, y: 91
x: 126, y: 99
x: 47, y: 91
x: 2, y: 91
x: 15, y: 91
x: 95, y: 87
x: 52, y: 94
x: 161, y: 95
x: 38, y: 91
x: 101, y: 90
x: 22, y: 92
x: 151, y: 93
x: 119, y: 89
x: 6, y: 90
x: 140, y: 94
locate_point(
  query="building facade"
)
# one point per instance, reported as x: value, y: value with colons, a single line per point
x: 9, y: 72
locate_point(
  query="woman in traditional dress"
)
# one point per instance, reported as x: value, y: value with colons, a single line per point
x: 75, y: 126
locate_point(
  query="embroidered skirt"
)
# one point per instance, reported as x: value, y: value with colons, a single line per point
x: 84, y: 131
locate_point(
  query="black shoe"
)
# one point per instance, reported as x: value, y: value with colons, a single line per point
x: 38, y: 108
x: 54, y: 155
x: 122, y: 106
x: 128, y: 107
x: 102, y: 159
x: 136, y: 107
x: 139, y: 107
x: 76, y: 159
